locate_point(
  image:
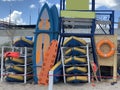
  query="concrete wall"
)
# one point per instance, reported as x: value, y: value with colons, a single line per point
x: 6, y: 34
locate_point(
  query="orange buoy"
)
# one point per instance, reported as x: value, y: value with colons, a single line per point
x: 110, y: 44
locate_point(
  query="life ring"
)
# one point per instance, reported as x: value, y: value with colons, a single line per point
x: 101, y: 53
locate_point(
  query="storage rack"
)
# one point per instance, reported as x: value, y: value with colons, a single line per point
x: 88, y: 62
x: 23, y: 53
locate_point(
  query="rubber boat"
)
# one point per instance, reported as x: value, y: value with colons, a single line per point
x: 76, y: 70
x: 77, y: 79
x: 74, y: 41
x: 57, y: 71
x: 75, y: 60
x: 75, y: 51
x: 18, y: 69
x: 17, y: 78
x: 23, y: 42
x: 17, y: 60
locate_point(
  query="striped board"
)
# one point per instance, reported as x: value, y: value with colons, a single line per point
x: 55, y: 17
x: 43, y: 36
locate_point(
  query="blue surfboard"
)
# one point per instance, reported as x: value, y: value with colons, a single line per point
x: 55, y: 17
x: 43, y: 36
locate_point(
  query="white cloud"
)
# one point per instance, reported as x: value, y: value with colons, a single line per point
x: 15, y: 18
x: 112, y: 4
x: 32, y: 6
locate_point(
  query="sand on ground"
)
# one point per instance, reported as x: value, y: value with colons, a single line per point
x: 61, y: 86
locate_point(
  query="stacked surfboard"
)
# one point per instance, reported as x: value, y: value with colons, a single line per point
x: 23, y: 42
x: 16, y: 68
x: 47, y: 29
x: 75, y: 60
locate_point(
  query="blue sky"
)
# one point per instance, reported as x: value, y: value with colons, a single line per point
x: 21, y: 10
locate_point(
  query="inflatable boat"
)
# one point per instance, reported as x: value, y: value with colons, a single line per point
x: 75, y: 51
x: 17, y: 60
x: 18, y: 69
x: 75, y: 60
x: 57, y: 71
x: 17, y: 78
x: 76, y: 70
x: 77, y: 79
x: 74, y: 41
x: 23, y: 42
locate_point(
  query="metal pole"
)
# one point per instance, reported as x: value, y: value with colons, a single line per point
x: 88, y: 60
x: 61, y: 5
x: 93, y: 5
x: 112, y: 20
x: 30, y: 19
x: 10, y: 16
x: 25, y: 65
x: 62, y: 57
x: 50, y: 87
x: 2, y: 58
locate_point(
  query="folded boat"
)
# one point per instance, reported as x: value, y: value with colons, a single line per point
x: 57, y: 71
x: 74, y: 41
x: 75, y: 51
x: 17, y: 60
x: 76, y: 70
x: 23, y: 42
x: 75, y: 60
x: 18, y: 69
x: 77, y: 79
x: 17, y: 77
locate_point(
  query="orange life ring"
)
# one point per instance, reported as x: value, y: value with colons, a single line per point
x: 111, y: 45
